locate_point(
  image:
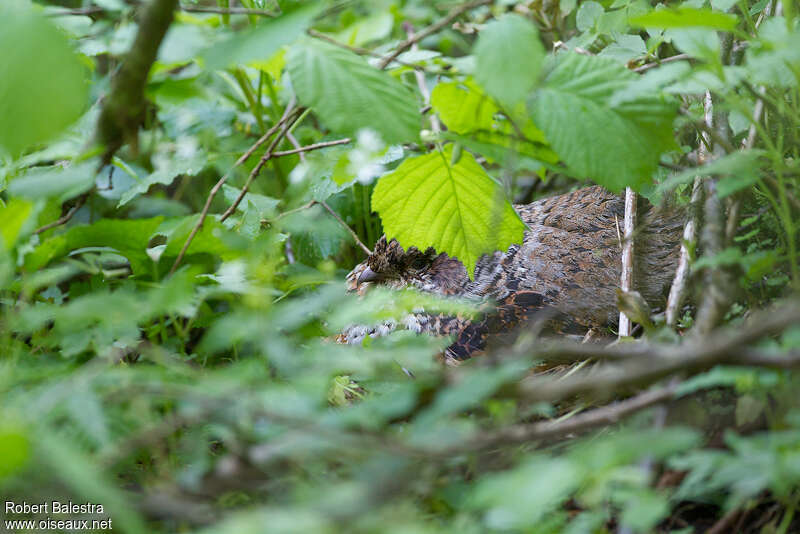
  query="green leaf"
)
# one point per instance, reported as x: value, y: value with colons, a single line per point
x: 43, y: 85
x: 15, y: 449
x: 614, y: 146
x: 685, y: 17
x: 129, y: 238
x: 737, y: 171
x: 57, y: 182
x: 16, y: 215
x: 463, y: 107
x: 457, y: 209
x: 587, y: 15
x: 508, y: 57
x: 167, y: 169
x: 261, y: 42
x: 349, y: 94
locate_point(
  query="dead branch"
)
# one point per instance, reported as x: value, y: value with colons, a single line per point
x: 66, y: 217
x: 626, y: 281
x: 287, y: 115
x: 430, y: 30
x: 124, y: 108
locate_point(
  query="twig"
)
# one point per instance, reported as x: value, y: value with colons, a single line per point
x: 94, y: 10
x: 648, y: 66
x: 718, y: 282
x: 366, y: 249
x: 728, y: 345
x: 228, y: 10
x: 309, y: 148
x: 289, y: 113
x: 124, y: 108
x: 678, y: 289
x: 626, y: 281
x: 430, y: 30
x: 605, y: 415
x: 423, y: 87
x: 66, y: 217
x: 268, y: 153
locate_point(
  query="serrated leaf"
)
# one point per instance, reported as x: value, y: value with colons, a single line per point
x: 349, y: 94
x: 614, y: 146
x: 457, y: 209
x: 165, y: 172
x: 463, y: 107
x: 509, y: 56
x: 261, y: 42
x: 685, y: 17
x: 61, y: 183
x: 43, y: 85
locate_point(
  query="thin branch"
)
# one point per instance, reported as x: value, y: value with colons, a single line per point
x: 228, y: 10
x: 729, y: 345
x: 436, y: 127
x: 288, y: 114
x: 366, y: 249
x: 430, y: 30
x: 124, y: 107
x: 66, y: 217
x: 677, y: 291
x: 94, y: 10
x: 605, y: 415
x: 309, y: 148
x: 658, y: 63
x: 257, y: 169
x: 626, y: 281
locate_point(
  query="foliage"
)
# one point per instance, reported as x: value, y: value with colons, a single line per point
x: 173, y: 357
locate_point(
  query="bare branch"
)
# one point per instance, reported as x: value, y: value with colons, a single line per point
x: 124, y: 108
x: 626, y: 282
x: 66, y: 217
x: 430, y: 30
x: 366, y: 249
x: 309, y: 148
x: 288, y: 114
x: 658, y: 63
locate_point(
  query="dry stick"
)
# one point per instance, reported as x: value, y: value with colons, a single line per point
x: 228, y: 10
x: 309, y: 148
x: 660, y: 62
x: 728, y: 345
x: 626, y: 282
x: 602, y: 416
x: 430, y: 30
x: 364, y: 247
x: 302, y: 150
x: 678, y: 289
x: 257, y: 169
x: 286, y: 116
x: 423, y: 87
x: 66, y: 217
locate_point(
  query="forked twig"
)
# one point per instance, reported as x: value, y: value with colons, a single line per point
x: 287, y: 115
x: 430, y: 30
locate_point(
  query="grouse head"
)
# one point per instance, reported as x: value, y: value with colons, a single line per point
x: 391, y: 266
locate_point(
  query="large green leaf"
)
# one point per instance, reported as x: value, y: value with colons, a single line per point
x: 349, y: 94
x: 261, y: 42
x: 685, y: 17
x: 508, y: 57
x: 42, y: 82
x: 57, y: 182
x: 615, y: 146
x: 468, y: 111
x: 429, y: 201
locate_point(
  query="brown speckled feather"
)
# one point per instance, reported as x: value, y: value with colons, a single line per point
x: 569, y: 261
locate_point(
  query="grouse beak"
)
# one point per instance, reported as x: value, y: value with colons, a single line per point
x: 367, y: 275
